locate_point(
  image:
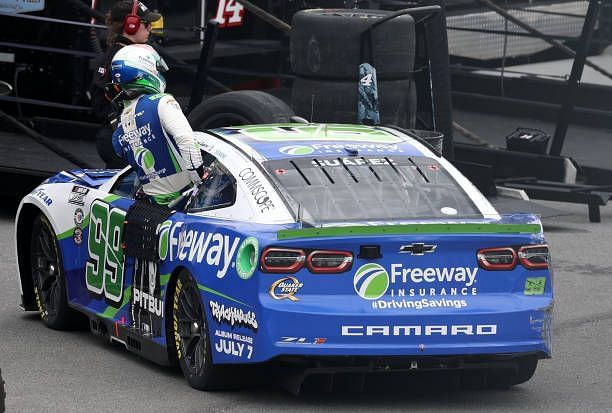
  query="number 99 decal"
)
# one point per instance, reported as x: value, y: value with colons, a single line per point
x: 104, y: 270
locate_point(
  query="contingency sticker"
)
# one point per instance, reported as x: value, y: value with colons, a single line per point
x: 535, y: 285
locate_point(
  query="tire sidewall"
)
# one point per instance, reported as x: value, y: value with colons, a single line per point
x: 202, y: 381
x: 59, y: 320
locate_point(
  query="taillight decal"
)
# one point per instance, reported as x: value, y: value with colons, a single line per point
x: 321, y: 261
x: 497, y: 259
x: 534, y: 257
x: 282, y: 260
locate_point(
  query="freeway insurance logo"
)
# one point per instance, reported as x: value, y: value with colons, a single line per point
x: 296, y: 150
x: 371, y: 281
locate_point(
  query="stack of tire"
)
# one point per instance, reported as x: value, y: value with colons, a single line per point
x: 325, y: 56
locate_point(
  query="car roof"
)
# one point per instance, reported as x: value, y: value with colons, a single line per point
x: 282, y: 141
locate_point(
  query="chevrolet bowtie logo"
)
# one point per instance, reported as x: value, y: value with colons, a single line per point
x: 418, y: 248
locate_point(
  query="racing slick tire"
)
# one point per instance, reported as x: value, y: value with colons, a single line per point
x: 244, y: 107
x: 326, y: 44
x: 48, y: 277
x: 189, y: 335
x: 336, y: 101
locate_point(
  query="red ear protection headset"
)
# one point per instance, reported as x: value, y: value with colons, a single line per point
x: 131, y: 23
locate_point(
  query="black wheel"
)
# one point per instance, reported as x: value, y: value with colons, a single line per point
x: 336, y: 101
x: 526, y: 369
x: 48, y: 277
x: 245, y: 107
x: 190, y: 336
x: 326, y: 43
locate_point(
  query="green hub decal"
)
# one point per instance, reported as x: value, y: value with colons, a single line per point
x: 247, y: 258
x: 371, y: 281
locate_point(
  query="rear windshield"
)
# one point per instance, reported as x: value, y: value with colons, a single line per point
x: 370, y: 188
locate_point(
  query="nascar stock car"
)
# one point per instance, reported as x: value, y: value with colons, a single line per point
x: 334, y: 247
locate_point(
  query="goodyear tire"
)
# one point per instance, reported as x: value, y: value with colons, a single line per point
x: 190, y: 336
x: 336, y: 101
x: 48, y: 277
x: 326, y: 43
x: 245, y: 107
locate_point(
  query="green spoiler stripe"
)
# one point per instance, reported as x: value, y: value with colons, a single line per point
x: 210, y: 290
x: 409, y: 229
x: 110, y: 312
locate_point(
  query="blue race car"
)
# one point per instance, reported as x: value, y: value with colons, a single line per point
x: 330, y: 248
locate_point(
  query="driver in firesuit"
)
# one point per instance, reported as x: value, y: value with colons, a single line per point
x: 153, y: 134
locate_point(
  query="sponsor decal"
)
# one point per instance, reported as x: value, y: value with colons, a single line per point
x: 419, y: 304
x: 40, y: 194
x: 79, y: 216
x: 296, y: 150
x: 351, y: 161
x: 233, y: 344
x: 340, y: 149
x: 144, y: 158
x: 462, y: 280
x: 285, y: 288
x: 420, y: 330
x: 77, y: 236
x: 302, y: 340
x: 256, y: 188
x: 77, y: 195
x: 535, y: 285
x: 212, y: 248
x: 148, y: 302
x: 235, y: 317
x: 320, y: 132
x: 372, y: 281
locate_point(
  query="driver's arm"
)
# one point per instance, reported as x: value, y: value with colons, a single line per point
x: 175, y: 124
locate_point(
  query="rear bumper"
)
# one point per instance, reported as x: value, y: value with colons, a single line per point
x: 516, y: 325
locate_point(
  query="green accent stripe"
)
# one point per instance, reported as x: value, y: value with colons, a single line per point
x: 111, y: 198
x: 164, y: 279
x: 111, y: 312
x: 70, y: 232
x: 210, y: 290
x: 409, y: 229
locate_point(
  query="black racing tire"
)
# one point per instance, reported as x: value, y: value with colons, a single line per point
x: 326, y: 43
x: 190, y: 337
x: 104, y: 145
x: 336, y: 101
x: 244, y: 107
x: 526, y: 369
x: 48, y: 277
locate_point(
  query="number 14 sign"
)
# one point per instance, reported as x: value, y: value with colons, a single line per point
x: 229, y: 13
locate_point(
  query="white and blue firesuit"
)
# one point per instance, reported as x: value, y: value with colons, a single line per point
x: 155, y: 138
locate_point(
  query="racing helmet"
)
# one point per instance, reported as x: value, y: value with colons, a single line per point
x: 137, y: 69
